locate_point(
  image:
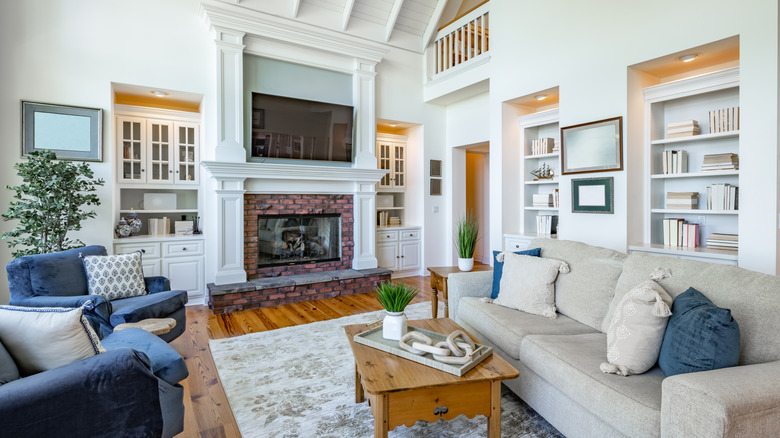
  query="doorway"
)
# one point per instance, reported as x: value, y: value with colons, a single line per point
x: 478, y: 196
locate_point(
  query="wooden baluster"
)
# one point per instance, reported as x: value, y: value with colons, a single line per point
x: 485, y: 33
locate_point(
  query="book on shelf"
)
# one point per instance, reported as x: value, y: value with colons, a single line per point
x: 674, y: 161
x: 541, y: 146
x: 682, y: 200
x: 685, y: 128
x: 555, y: 198
x: 724, y: 120
x: 722, y: 197
x: 723, y: 241
x: 726, y: 161
x: 547, y: 224
x: 678, y: 232
x: 543, y: 200
x: 682, y: 124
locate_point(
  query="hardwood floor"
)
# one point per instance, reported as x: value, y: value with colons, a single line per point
x: 207, y: 412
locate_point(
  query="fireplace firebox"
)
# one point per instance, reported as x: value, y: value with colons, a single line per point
x: 298, y: 239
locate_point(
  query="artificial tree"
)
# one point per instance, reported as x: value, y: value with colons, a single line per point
x: 48, y: 203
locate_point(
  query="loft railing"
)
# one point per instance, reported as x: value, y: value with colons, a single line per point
x: 462, y: 41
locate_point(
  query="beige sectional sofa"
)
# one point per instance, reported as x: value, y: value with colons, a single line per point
x: 559, y: 359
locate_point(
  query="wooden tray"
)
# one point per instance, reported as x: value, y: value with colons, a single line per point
x: 373, y: 338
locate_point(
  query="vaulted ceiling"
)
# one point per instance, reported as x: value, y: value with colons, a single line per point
x: 406, y: 24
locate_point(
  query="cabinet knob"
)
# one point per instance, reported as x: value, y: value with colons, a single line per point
x: 184, y: 248
x: 143, y: 170
x: 411, y: 235
x: 402, y: 256
x: 388, y: 236
x: 517, y: 246
x: 397, y: 257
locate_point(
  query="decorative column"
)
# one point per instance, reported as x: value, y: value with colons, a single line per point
x: 230, y: 229
x: 363, y: 96
x: 364, y: 229
x: 230, y: 95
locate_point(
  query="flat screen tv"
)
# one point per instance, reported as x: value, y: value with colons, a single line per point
x: 283, y: 127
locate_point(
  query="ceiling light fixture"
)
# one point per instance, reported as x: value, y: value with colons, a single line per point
x: 159, y: 93
x: 688, y: 58
x: 392, y: 124
x: 540, y: 97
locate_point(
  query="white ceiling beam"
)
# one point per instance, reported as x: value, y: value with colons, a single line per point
x: 348, y: 5
x: 431, y: 29
x: 296, y: 4
x: 393, y: 18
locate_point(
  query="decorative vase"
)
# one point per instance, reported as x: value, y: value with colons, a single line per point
x: 134, y: 222
x: 122, y: 229
x: 466, y: 265
x: 394, y: 326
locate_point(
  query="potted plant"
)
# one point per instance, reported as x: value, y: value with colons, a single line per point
x: 394, y: 297
x: 466, y: 241
x: 48, y: 203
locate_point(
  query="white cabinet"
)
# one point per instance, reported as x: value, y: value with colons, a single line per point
x: 391, y: 155
x: 400, y: 250
x: 537, y: 126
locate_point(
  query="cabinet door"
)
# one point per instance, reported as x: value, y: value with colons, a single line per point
x: 387, y: 255
x: 399, y: 165
x: 131, y: 149
x: 187, y: 153
x: 185, y: 273
x: 410, y: 255
x: 151, y: 268
x: 384, y: 155
x: 159, y: 139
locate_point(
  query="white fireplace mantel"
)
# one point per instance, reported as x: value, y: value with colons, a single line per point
x: 279, y: 171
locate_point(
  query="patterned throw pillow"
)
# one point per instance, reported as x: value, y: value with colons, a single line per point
x: 637, y: 329
x: 115, y: 276
x: 498, y: 268
x: 528, y: 284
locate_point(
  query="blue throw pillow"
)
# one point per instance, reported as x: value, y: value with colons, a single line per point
x: 700, y: 336
x: 498, y: 267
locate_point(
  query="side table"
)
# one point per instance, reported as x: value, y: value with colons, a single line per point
x: 439, y: 284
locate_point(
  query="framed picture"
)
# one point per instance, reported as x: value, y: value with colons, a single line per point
x: 71, y: 132
x: 592, y: 195
x: 435, y: 187
x: 592, y: 147
x: 436, y: 168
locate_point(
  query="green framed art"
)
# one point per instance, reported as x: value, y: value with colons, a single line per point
x: 593, y: 195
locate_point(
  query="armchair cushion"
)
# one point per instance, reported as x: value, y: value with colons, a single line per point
x: 115, y: 276
x: 157, y: 284
x: 60, y: 273
x: 8, y: 370
x: 157, y: 305
x: 165, y: 362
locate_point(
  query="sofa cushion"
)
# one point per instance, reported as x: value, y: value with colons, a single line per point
x: 498, y: 268
x: 166, y: 363
x: 60, y: 273
x: 115, y: 276
x: 584, y: 293
x: 632, y: 405
x: 43, y: 338
x: 700, y: 337
x: 8, y: 369
x: 507, y: 327
x: 157, y: 305
x: 528, y: 284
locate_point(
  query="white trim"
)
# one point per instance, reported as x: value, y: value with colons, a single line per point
x: 539, y: 119
x: 225, y: 170
x: 719, y: 80
x: 391, y: 20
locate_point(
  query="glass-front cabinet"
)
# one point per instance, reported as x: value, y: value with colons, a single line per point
x: 133, y: 153
x: 157, y: 151
x: 187, y: 153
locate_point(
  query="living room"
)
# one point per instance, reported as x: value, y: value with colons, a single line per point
x: 591, y: 60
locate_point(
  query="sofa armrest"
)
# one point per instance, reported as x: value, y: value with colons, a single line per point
x: 102, y: 306
x: 110, y: 394
x: 157, y: 284
x: 742, y: 401
x: 467, y: 284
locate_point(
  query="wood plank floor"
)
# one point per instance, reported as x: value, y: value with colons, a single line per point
x: 207, y: 412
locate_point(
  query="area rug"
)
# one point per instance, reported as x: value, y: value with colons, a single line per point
x: 299, y: 382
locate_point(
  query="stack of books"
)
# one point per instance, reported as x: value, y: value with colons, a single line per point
x: 547, y: 224
x: 542, y: 146
x: 686, y: 128
x: 722, y: 197
x: 678, y: 232
x: 720, y: 162
x: 544, y: 200
x: 675, y: 161
x: 395, y: 221
x: 724, y: 120
x: 557, y: 146
x: 723, y: 241
x: 682, y: 200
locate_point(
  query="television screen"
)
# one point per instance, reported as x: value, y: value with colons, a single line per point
x: 283, y: 127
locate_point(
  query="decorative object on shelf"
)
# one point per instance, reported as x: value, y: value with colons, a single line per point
x: 182, y: 228
x: 467, y: 236
x: 394, y: 297
x: 159, y: 201
x: 47, y: 212
x: 592, y: 195
x: 592, y: 147
x: 543, y: 172
x: 122, y: 229
x: 74, y: 132
x: 449, y: 351
x: 196, y: 225
x: 134, y: 222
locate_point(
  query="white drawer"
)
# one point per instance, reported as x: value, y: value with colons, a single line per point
x: 515, y: 244
x: 183, y: 248
x: 151, y: 249
x: 410, y: 234
x: 387, y: 236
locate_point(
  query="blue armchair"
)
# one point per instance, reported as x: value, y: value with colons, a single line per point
x: 59, y: 280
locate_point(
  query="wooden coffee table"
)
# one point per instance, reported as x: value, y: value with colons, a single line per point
x: 401, y: 391
x: 439, y: 284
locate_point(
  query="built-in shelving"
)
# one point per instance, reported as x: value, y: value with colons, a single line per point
x: 543, y: 124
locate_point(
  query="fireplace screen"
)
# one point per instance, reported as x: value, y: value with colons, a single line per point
x: 296, y: 239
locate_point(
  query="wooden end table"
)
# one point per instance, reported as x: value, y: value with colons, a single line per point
x: 155, y: 326
x: 401, y: 392
x: 439, y: 284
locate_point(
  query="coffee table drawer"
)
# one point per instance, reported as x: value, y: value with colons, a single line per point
x: 406, y: 407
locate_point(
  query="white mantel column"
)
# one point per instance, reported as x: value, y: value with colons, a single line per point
x: 230, y: 96
x: 363, y: 96
x: 230, y: 231
x: 364, y: 228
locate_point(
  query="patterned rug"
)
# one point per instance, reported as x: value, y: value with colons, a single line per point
x: 299, y: 382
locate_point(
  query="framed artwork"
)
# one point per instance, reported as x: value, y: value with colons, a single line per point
x: 436, y: 168
x: 71, y: 132
x: 435, y: 187
x: 592, y: 147
x: 593, y: 195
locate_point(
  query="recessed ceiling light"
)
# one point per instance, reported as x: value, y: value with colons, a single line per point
x: 540, y: 97
x: 159, y: 93
x: 688, y: 58
x: 392, y: 124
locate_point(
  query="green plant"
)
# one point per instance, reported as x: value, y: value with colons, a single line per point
x: 394, y: 297
x: 48, y: 203
x: 467, y: 235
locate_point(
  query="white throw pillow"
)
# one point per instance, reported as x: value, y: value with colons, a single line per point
x: 528, y: 283
x: 637, y: 329
x: 42, y: 338
x: 115, y: 276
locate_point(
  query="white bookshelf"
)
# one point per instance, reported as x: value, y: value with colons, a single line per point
x: 543, y: 124
x: 686, y: 99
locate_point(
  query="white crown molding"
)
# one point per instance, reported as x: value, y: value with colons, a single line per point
x: 719, y: 80
x: 538, y: 119
x: 269, y: 27
x: 295, y: 172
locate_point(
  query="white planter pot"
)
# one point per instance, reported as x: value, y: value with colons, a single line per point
x: 466, y: 265
x: 394, y: 326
